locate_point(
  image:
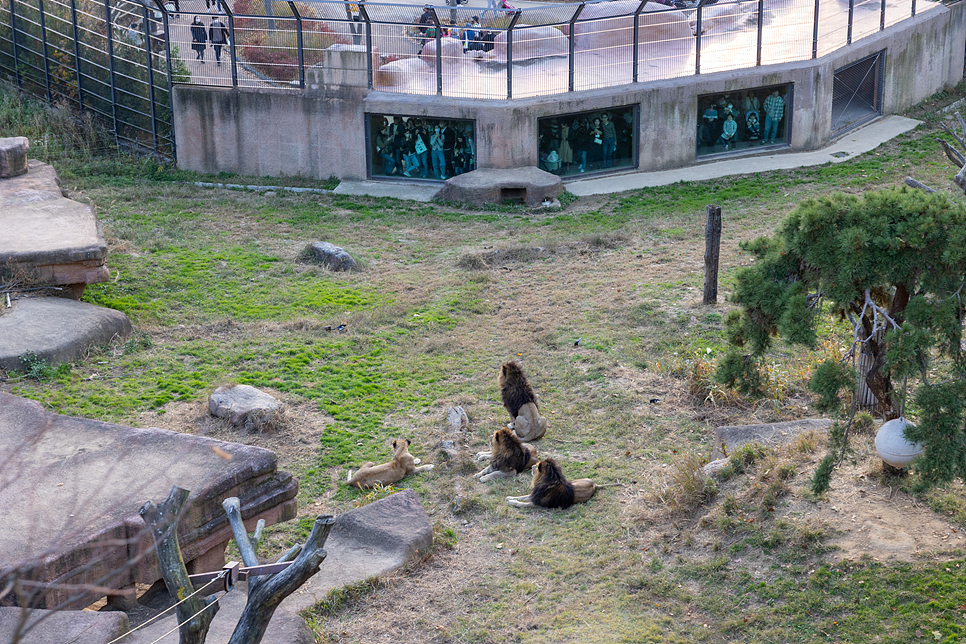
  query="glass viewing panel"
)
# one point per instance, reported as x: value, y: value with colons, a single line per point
x: 602, y: 140
x: 745, y: 119
x: 420, y: 147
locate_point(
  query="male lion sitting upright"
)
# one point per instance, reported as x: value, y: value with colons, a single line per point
x: 519, y: 399
x: 401, y: 465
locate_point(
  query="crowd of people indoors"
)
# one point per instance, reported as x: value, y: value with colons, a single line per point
x: 741, y: 120
x: 421, y: 147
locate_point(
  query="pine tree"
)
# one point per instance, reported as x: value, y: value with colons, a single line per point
x: 893, y: 263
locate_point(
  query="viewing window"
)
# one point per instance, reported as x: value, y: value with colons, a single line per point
x: 596, y: 141
x: 420, y: 148
x: 743, y: 120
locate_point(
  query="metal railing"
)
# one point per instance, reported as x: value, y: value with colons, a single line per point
x: 118, y: 58
x: 537, y: 51
x: 105, y: 56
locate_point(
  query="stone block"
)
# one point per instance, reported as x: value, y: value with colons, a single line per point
x: 74, y: 492
x: 529, y: 185
x: 13, y: 156
x: 245, y: 406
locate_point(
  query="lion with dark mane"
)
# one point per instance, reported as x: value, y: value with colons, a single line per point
x: 508, y: 456
x: 520, y: 401
x: 551, y: 489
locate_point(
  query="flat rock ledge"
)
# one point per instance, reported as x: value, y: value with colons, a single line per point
x: 48, y: 239
x: 55, y: 329
x: 529, y: 185
x: 77, y: 484
x: 74, y: 626
x: 728, y: 437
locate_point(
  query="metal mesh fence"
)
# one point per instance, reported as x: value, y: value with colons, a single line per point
x: 108, y: 57
x: 118, y: 59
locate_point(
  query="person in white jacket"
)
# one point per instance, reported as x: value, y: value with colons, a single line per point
x: 729, y: 129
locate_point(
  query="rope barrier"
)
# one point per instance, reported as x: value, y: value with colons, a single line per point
x: 162, y: 613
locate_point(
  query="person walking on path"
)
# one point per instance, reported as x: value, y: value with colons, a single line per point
x: 218, y: 35
x: 774, y: 110
x: 198, y: 39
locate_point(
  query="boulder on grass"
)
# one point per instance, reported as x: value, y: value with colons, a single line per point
x: 247, y: 407
x: 331, y: 256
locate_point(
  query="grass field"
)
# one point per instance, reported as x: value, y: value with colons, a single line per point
x: 214, y: 284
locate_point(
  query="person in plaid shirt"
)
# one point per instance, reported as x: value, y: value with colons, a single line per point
x: 774, y: 110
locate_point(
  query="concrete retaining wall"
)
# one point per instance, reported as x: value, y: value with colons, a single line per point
x: 320, y: 132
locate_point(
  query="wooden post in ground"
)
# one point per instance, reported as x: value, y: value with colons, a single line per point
x: 195, y: 612
x: 712, y: 249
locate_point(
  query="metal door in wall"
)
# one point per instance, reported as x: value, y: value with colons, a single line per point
x: 857, y: 93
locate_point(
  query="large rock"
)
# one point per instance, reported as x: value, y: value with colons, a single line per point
x: 401, y: 72
x: 331, y: 256
x: 728, y: 437
x: 13, y: 156
x: 451, y: 51
x: 530, y: 185
x: 532, y: 42
x: 245, y: 406
x: 71, y: 497
x: 605, y: 26
x: 47, y: 239
x: 56, y: 330
x: 74, y: 626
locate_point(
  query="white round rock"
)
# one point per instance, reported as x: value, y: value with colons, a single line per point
x: 892, y: 446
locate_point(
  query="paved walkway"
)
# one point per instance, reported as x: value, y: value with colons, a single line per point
x: 859, y: 141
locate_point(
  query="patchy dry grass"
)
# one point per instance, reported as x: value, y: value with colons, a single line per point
x: 601, y: 304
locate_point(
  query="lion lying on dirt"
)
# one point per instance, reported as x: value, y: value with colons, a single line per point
x: 550, y: 489
x: 402, y: 464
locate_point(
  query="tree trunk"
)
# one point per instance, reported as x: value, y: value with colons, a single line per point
x: 163, y: 522
x: 266, y: 592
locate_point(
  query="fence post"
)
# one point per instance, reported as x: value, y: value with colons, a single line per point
x: 815, y: 32
x: 167, y: 51
x: 13, y: 39
x: 572, y: 58
x: 848, y: 40
x: 439, y: 54
x: 43, y: 43
x: 761, y: 30
x: 299, y: 42
x: 147, y: 50
x: 509, y: 54
x: 913, y: 8
x: 712, y: 250
x: 697, y: 42
x: 637, y: 36
x: 882, y: 16
x: 231, y: 44
x: 365, y: 16
x: 77, y: 58
x: 110, y: 65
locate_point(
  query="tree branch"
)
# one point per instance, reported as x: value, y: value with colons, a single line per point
x: 163, y: 522
x: 268, y: 591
